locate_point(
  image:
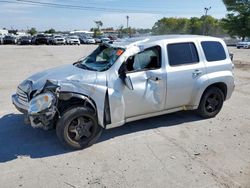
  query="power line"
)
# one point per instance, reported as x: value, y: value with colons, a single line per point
x: 77, y: 7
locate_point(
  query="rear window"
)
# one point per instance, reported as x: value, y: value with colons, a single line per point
x: 182, y: 53
x: 214, y: 51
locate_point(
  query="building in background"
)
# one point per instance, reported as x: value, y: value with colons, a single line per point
x: 3, y: 32
x: 82, y: 32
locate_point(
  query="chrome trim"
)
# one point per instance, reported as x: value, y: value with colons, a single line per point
x: 23, y: 108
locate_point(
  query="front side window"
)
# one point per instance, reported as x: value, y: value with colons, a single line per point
x: 182, y: 54
x: 213, y: 50
x: 146, y: 60
x: 101, y: 59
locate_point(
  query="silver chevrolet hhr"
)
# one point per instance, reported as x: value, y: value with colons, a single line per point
x: 127, y: 81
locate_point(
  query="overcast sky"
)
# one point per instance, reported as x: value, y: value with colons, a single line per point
x: 142, y: 13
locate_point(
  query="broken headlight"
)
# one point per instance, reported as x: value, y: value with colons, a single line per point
x: 41, y: 103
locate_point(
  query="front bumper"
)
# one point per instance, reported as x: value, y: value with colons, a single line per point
x: 19, y: 106
x: 74, y: 42
x: 42, y: 120
x: 90, y: 42
x: 59, y: 42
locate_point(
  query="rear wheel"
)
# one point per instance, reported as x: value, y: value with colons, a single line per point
x: 211, y: 102
x: 78, y: 128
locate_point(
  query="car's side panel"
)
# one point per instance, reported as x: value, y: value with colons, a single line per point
x: 217, y: 72
x: 215, y: 78
x: 95, y: 91
x: 147, y: 97
x: 182, y: 81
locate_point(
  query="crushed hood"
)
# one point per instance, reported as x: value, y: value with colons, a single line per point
x: 65, y: 73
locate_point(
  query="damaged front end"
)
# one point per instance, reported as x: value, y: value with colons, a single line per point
x: 38, y: 105
x: 42, y: 107
x: 42, y: 110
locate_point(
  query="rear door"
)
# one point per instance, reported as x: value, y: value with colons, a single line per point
x: 184, y: 70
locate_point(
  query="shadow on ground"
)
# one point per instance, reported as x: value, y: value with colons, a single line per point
x: 18, y: 139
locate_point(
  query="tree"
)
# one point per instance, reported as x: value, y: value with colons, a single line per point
x: 32, y: 31
x: 237, y: 21
x: 98, y: 24
x: 97, y: 30
x: 50, y: 31
x: 170, y: 26
x: 193, y: 25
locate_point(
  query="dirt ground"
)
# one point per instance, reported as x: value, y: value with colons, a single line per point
x: 174, y: 150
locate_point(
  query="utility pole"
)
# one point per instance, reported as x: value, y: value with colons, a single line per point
x: 127, y: 17
x: 205, y: 20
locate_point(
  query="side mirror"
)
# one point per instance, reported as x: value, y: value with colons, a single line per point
x: 128, y: 83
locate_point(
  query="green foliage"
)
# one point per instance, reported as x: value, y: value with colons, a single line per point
x: 232, y: 4
x: 98, y: 24
x: 237, y: 21
x: 96, y: 30
x: 32, y: 31
x: 50, y: 31
x: 144, y: 31
x: 193, y: 25
x: 170, y: 26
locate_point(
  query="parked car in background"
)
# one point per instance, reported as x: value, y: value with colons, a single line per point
x: 50, y: 39
x: 58, y: 39
x: 41, y: 39
x: 243, y: 44
x: 105, y: 40
x: 1, y: 39
x: 24, y: 40
x: 98, y: 40
x: 128, y: 81
x: 33, y: 40
x: 88, y: 40
x: 113, y: 37
x: 73, y: 40
x: 9, y: 39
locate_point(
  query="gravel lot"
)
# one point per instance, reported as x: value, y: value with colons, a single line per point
x: 175, y: 150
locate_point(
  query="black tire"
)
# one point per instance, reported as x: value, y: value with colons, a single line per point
x: 211, y: 102
x: 78, y: 128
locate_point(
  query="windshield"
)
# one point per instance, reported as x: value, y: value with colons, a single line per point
x: 101, y: 59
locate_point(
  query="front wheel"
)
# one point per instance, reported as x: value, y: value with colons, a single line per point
x: 211, y: 102
x: 78, y: 128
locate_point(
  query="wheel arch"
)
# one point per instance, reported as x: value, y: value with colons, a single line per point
x: 220, y: 85
x: 67, y: 100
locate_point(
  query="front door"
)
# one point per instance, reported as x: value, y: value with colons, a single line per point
x: 149, y: 83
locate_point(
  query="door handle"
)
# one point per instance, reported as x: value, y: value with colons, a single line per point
x: 197, y: 73
x: 154, y: 78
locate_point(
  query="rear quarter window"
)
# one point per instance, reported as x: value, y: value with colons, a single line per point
x: 214, y: 51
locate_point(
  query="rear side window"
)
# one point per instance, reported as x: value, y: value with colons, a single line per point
x: 182, y: 53
x: 214, y: 51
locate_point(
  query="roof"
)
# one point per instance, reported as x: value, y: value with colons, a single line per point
x: 151, y: 39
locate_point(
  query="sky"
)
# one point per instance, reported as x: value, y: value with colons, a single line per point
x: 142, y: 13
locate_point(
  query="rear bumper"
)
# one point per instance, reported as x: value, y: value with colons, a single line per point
x: 243, y: 46
x: 20, y: 107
